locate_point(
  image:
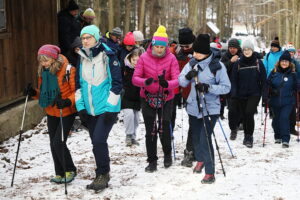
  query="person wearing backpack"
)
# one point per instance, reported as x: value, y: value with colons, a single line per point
x: 157, y: 74
x: 272, y: 57
x: 248, y: 81
x: 282, y: 88
x: 99, y: 84
x: 208, y: 78
x: 56, y: 90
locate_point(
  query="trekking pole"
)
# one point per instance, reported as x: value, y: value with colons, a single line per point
x: 225, y: 138
x: 181, y: 117
x: 200, y: 107
x: 261, y: 114
x: 265, y: 128
x: 173, y: 144
x: 19, y: 143
x: 213, y: 132
x: 161, y: 92
x: 297, y: 115
x: 63, y: 148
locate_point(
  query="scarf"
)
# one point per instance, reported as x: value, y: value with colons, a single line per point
x: 49, y: 89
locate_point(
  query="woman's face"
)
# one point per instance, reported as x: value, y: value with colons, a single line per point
x: 88, y: 41
x: 47, y: 63
x: 134, y: 60
x: 247, y: 52
x: 199, y: 56
x: 284, y: 64
x: 159, y: 50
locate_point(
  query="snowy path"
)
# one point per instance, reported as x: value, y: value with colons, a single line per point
x: 260, y: 173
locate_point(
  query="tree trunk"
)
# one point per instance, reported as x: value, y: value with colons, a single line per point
x: 127, y: 15
x: 111, y: 15
x: 142, y: 15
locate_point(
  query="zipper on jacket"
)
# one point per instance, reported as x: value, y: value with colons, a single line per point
x: 93, y: 68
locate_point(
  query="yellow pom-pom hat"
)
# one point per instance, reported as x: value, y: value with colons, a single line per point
x: 160, y: 37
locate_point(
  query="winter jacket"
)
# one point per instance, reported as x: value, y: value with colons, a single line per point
x: 282, y: 87
x: 248, y: 77
x: 183, y: 58
x: 226, y: 61
x: 150, y: 66
x: 211, y: 72
x: 67, y: 90
x: 270, y: 60
x: 98, y: 81
x: 68, y: 30
x: 111, y: 44
x: 297, y: 67
x: 122, y: 53
x: 131, y: 98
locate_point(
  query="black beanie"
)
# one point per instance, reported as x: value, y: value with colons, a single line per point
x: 275, y: 43
x: 201, y: 44
x: 72, y: 6
x: 234, y: 43
x: 186, y: 36
x: 285, y: 56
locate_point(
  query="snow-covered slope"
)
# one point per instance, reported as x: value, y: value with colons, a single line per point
x: 260, y: 173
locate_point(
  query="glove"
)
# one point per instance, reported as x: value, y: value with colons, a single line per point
x: 83, y: 116
x: 202, y: 87
x: 109, y: 117
x: 62, y: 103
x: 191, y: 74
x: 162, y: 81
x: 29, y: 90
x: 149, y: 81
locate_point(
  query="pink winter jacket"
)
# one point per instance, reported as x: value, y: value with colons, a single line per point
x: 149, y: 66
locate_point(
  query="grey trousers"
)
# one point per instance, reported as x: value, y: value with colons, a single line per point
x: 131, y: 122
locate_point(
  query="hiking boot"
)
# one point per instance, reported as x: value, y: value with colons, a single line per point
x: 128, y: 141
x: 56, y: 179
x: 167, y: 161
x: 278, y: 141
x: 188, y: 158
x: 285, y: 145
x: 248, y: 141
x: 69, y: 177
x: 294, y: 132
x: 134, y: 142
x: 208, y: 179
x: 198, y: 168
x: 151, y: 167
x: 99, y: 183
x: 233, y: 134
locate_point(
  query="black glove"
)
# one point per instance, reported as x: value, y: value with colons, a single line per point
x: 162, y: 81
x: 109, y: 116
x: 265, y: 103
x: 62, y: 103
x: 191, y: 74
x: 29, y: 90
x: 149, y: 81
x: 202, y: 87
x: 83, y: 116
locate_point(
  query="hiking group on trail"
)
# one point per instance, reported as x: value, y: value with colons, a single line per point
x: 96, y: 76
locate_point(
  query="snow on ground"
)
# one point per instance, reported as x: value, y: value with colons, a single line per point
x: 259, y: 173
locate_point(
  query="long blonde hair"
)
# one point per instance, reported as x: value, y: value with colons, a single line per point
x: 55, y: 66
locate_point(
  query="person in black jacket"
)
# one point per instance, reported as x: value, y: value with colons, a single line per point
x: 248, y: 80
x: 131, y: 103
x: 68, y: 26
x: 228, y: 59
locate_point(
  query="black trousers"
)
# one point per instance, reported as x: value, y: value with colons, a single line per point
x: 58, y: 148
x: 234, y: 113
x: 293, y: 120
x: 248, y: 107
x: 176, y: 102
x: 165, y: 138
x: 189, y: 142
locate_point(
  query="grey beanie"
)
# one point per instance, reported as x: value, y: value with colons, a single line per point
x: 248, y: 44
x: 117, y: 31
x: 138, y: 36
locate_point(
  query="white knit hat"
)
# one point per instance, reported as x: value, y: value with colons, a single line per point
x: 248, y: 44
x: 138, y: 36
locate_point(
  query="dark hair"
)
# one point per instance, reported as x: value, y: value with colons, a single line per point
x: 136, y: 52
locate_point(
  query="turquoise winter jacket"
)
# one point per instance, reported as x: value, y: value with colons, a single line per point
x: 270, y: 60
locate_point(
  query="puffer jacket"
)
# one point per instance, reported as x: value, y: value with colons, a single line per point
x: 150, y: 66
x: 67, y: 89
x: 270, y: 60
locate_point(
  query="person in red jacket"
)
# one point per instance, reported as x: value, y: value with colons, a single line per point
x: 56, y: 90
x: 183, y: 54
x: 157, y: 74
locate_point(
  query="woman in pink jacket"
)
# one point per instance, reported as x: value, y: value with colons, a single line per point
x: 157, y: 74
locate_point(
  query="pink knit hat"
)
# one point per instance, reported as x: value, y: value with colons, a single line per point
x: 129, y: 39
x: 49, y: 50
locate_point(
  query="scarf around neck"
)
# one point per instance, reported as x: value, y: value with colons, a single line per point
x: 49, y: 89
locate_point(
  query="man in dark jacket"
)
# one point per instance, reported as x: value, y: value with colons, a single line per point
x: 68, y: 26
x: 228, y: 59
x: 112, y: 39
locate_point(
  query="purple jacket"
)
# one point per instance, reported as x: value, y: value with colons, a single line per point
x: 149, y: 66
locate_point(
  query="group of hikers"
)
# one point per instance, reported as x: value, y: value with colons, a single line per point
x: 105, y: 74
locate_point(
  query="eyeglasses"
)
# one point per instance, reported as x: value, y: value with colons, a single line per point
x: 285, y: 61
x: 86, y: 38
